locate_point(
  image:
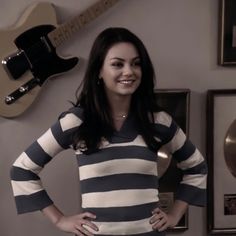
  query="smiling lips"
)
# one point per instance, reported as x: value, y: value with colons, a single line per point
x: 126, y: 82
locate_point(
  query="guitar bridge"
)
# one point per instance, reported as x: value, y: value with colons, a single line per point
x: 25, y: 88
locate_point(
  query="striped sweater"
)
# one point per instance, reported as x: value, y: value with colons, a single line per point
x: 119, y: 183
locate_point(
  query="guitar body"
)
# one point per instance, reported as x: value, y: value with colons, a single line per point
x: 39, y: 59
x: 28, y: 53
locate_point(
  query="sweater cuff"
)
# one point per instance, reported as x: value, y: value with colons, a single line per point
x: 192, y: 195
x: 32, y: 202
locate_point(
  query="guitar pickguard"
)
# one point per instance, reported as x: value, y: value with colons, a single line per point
x: 43, y: 59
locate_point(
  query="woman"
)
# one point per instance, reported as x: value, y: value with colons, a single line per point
x: 116, y: 132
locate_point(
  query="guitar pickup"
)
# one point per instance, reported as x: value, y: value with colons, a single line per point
x: 16, y: 64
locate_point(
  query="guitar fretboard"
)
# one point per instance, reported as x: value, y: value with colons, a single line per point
x: 66, y: 30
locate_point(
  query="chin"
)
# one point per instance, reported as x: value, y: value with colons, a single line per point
x: 127, y: 93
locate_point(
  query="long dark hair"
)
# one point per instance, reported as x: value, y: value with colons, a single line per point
x: 97, y: 122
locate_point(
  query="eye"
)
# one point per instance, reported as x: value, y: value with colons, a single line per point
x: 137, y: 63
x: 117, y: 64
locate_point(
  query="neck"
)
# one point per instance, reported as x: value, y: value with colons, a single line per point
x: 120, y: 107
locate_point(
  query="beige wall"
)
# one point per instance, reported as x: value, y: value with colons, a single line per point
x: 181, y: 36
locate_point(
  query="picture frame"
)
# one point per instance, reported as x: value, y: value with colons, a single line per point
x: 176, y: 102
x: 227, y: 33
x: 220, y: 152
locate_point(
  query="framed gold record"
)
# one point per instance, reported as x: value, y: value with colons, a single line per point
x: 221, y: 156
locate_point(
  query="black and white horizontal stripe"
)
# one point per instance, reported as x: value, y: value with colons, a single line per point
x: 189, y: 160
x: 113, y: 152
x: 119, y: 166
x: 33, y: 202
x: 119, y: 183
x: 125, y: 213
x: 123, y: 228
x: 151, y: 233
x: 19, y: 174
x: 27, y: 187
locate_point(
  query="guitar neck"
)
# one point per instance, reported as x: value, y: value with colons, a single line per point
x: 66, y: 30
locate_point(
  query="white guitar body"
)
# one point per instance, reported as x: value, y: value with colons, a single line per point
x: 28, y: 53
x: 32, y: 17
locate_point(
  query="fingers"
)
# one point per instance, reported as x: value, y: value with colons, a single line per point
x: 85, y: 225
x: 80, y: 224
x: 85, y: 222
x: 80, y: 230
x: 88, y: 215
x: 159, y: 220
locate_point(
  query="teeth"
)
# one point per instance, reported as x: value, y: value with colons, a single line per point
x: 126, y: 81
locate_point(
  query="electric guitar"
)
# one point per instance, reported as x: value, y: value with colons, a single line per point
x: 28, y: 53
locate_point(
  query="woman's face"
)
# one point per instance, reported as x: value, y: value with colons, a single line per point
x: 121, y: 71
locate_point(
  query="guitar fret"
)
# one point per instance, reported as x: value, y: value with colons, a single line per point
x: 70, y: 30
x: 92, y: 13
x: 67, y: 32
x: 64, y: 31
x: 60, y: 36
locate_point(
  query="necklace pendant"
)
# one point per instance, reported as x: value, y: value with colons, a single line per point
x: 120, y: 117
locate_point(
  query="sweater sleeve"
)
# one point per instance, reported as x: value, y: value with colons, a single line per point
x: 27, y: 187
x: 192, y: 188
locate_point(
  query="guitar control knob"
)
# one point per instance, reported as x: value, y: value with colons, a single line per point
x: 23, y: 89
x: 9, y: 99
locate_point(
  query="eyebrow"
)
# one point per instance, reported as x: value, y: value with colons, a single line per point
x: 121, y: 59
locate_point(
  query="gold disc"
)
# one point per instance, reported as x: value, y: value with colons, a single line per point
x: 164, y: 159
x: 230, y: 148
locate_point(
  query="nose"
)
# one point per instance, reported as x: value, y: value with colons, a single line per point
x: 128, y: 70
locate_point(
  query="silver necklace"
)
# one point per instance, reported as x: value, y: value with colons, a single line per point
x: 120, y: 117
